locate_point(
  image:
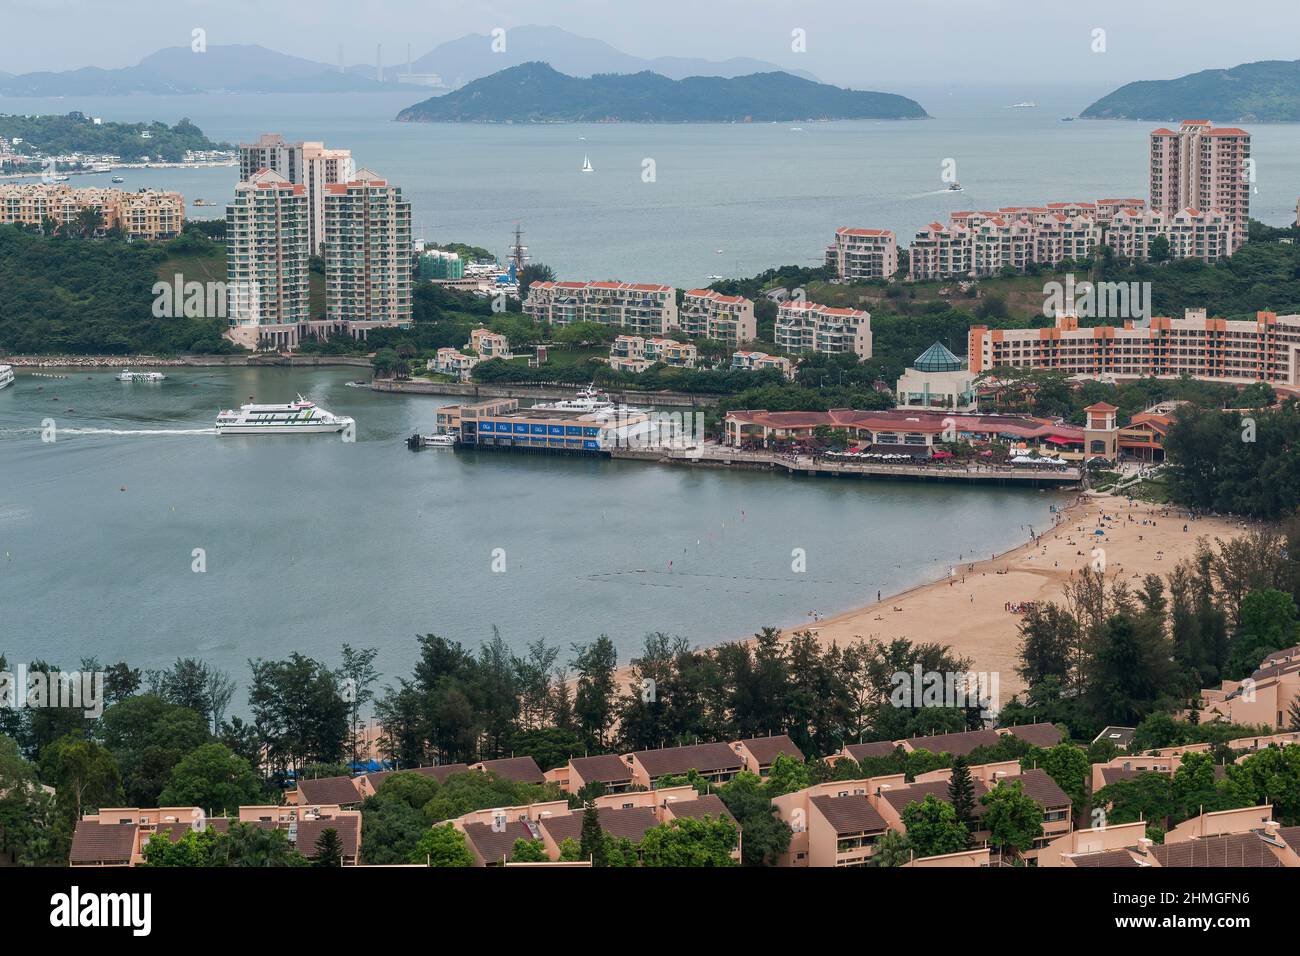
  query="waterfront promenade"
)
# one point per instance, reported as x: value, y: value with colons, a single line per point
x: 721, y: 456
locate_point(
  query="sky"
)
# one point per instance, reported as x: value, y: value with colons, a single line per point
x: 867, y: 44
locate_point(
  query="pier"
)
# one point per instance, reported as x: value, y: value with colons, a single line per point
x: 721, y: 456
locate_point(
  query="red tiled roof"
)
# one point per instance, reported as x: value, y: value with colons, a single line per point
x: 518, y: 769
x: 628, y: 822
x: 851, y: 814
x: 900, y: 797
x: 607, y: 768
x: 957, y: 744
x: 1106, y: 858
x: 706, y: 758
x: 1041, y: 788
x: 94, y: 842
x: 879, y: 748
x: 1237, y: 849
x: 766, y: 749
x: 1040, y: 735
x: 439, y: 773
x: 335, y: 790
x: 493, y: 845
x: 348, y: 829
x: 705, y: 805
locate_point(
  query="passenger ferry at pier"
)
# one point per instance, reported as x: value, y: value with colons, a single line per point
x: 587, y: 400
x: 127, y: 375
x: 296, y: 418
x: 6, y: 376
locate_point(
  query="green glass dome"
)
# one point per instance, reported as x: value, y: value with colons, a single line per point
x: 937, y: 359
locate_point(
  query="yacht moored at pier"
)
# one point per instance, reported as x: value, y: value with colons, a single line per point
x: 295, y: 418
x: 587, y: 400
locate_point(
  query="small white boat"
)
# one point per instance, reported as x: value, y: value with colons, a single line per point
x: 6, y: 376
x: 294, y: 418
x: 586, y: 164
x: 119, y: 179
x: 127, y: 375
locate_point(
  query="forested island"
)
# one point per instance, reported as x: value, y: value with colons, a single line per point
x: 78, y: 133
x: 537, y: 93
x: 1266, y: 91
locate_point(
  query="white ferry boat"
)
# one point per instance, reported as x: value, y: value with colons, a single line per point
x: 296, y: 418
x: 587, y: 400
x: 6, y: 376
x: 127, y: 375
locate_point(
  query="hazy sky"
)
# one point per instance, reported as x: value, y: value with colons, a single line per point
x: 864, y: 43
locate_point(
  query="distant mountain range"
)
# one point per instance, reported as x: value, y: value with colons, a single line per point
x: 176, y: 70
x: 255, y: 69
x: 1267, y: 91
x: 537, y: 93
x: 462, y: 61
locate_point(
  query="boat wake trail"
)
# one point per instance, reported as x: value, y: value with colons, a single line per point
x: 137, y: 431
x: 10, y: 432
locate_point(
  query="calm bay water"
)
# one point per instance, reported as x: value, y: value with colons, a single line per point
x: 763, y: 194
x: 311, y: 542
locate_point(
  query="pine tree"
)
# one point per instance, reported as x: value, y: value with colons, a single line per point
x: 961, y: 792
x: 593, y: 837
x: 329, y: 849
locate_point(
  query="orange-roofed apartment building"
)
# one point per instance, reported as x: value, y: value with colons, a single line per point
x: 367, y: 244
x: 712, y: 315
x: 1236, y: 352
x: 1208, y: 235
x: 145, y: 214
x: 266, y: 261
x: 642, y: 309
x: 808, y: 327
x: 984, y: 243
x: 860, y: 254
x: 1201, y: 166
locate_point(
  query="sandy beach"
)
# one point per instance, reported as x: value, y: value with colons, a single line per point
x: 968, y: 611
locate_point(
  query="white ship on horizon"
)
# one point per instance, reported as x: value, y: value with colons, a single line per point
x: 295, y: 418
